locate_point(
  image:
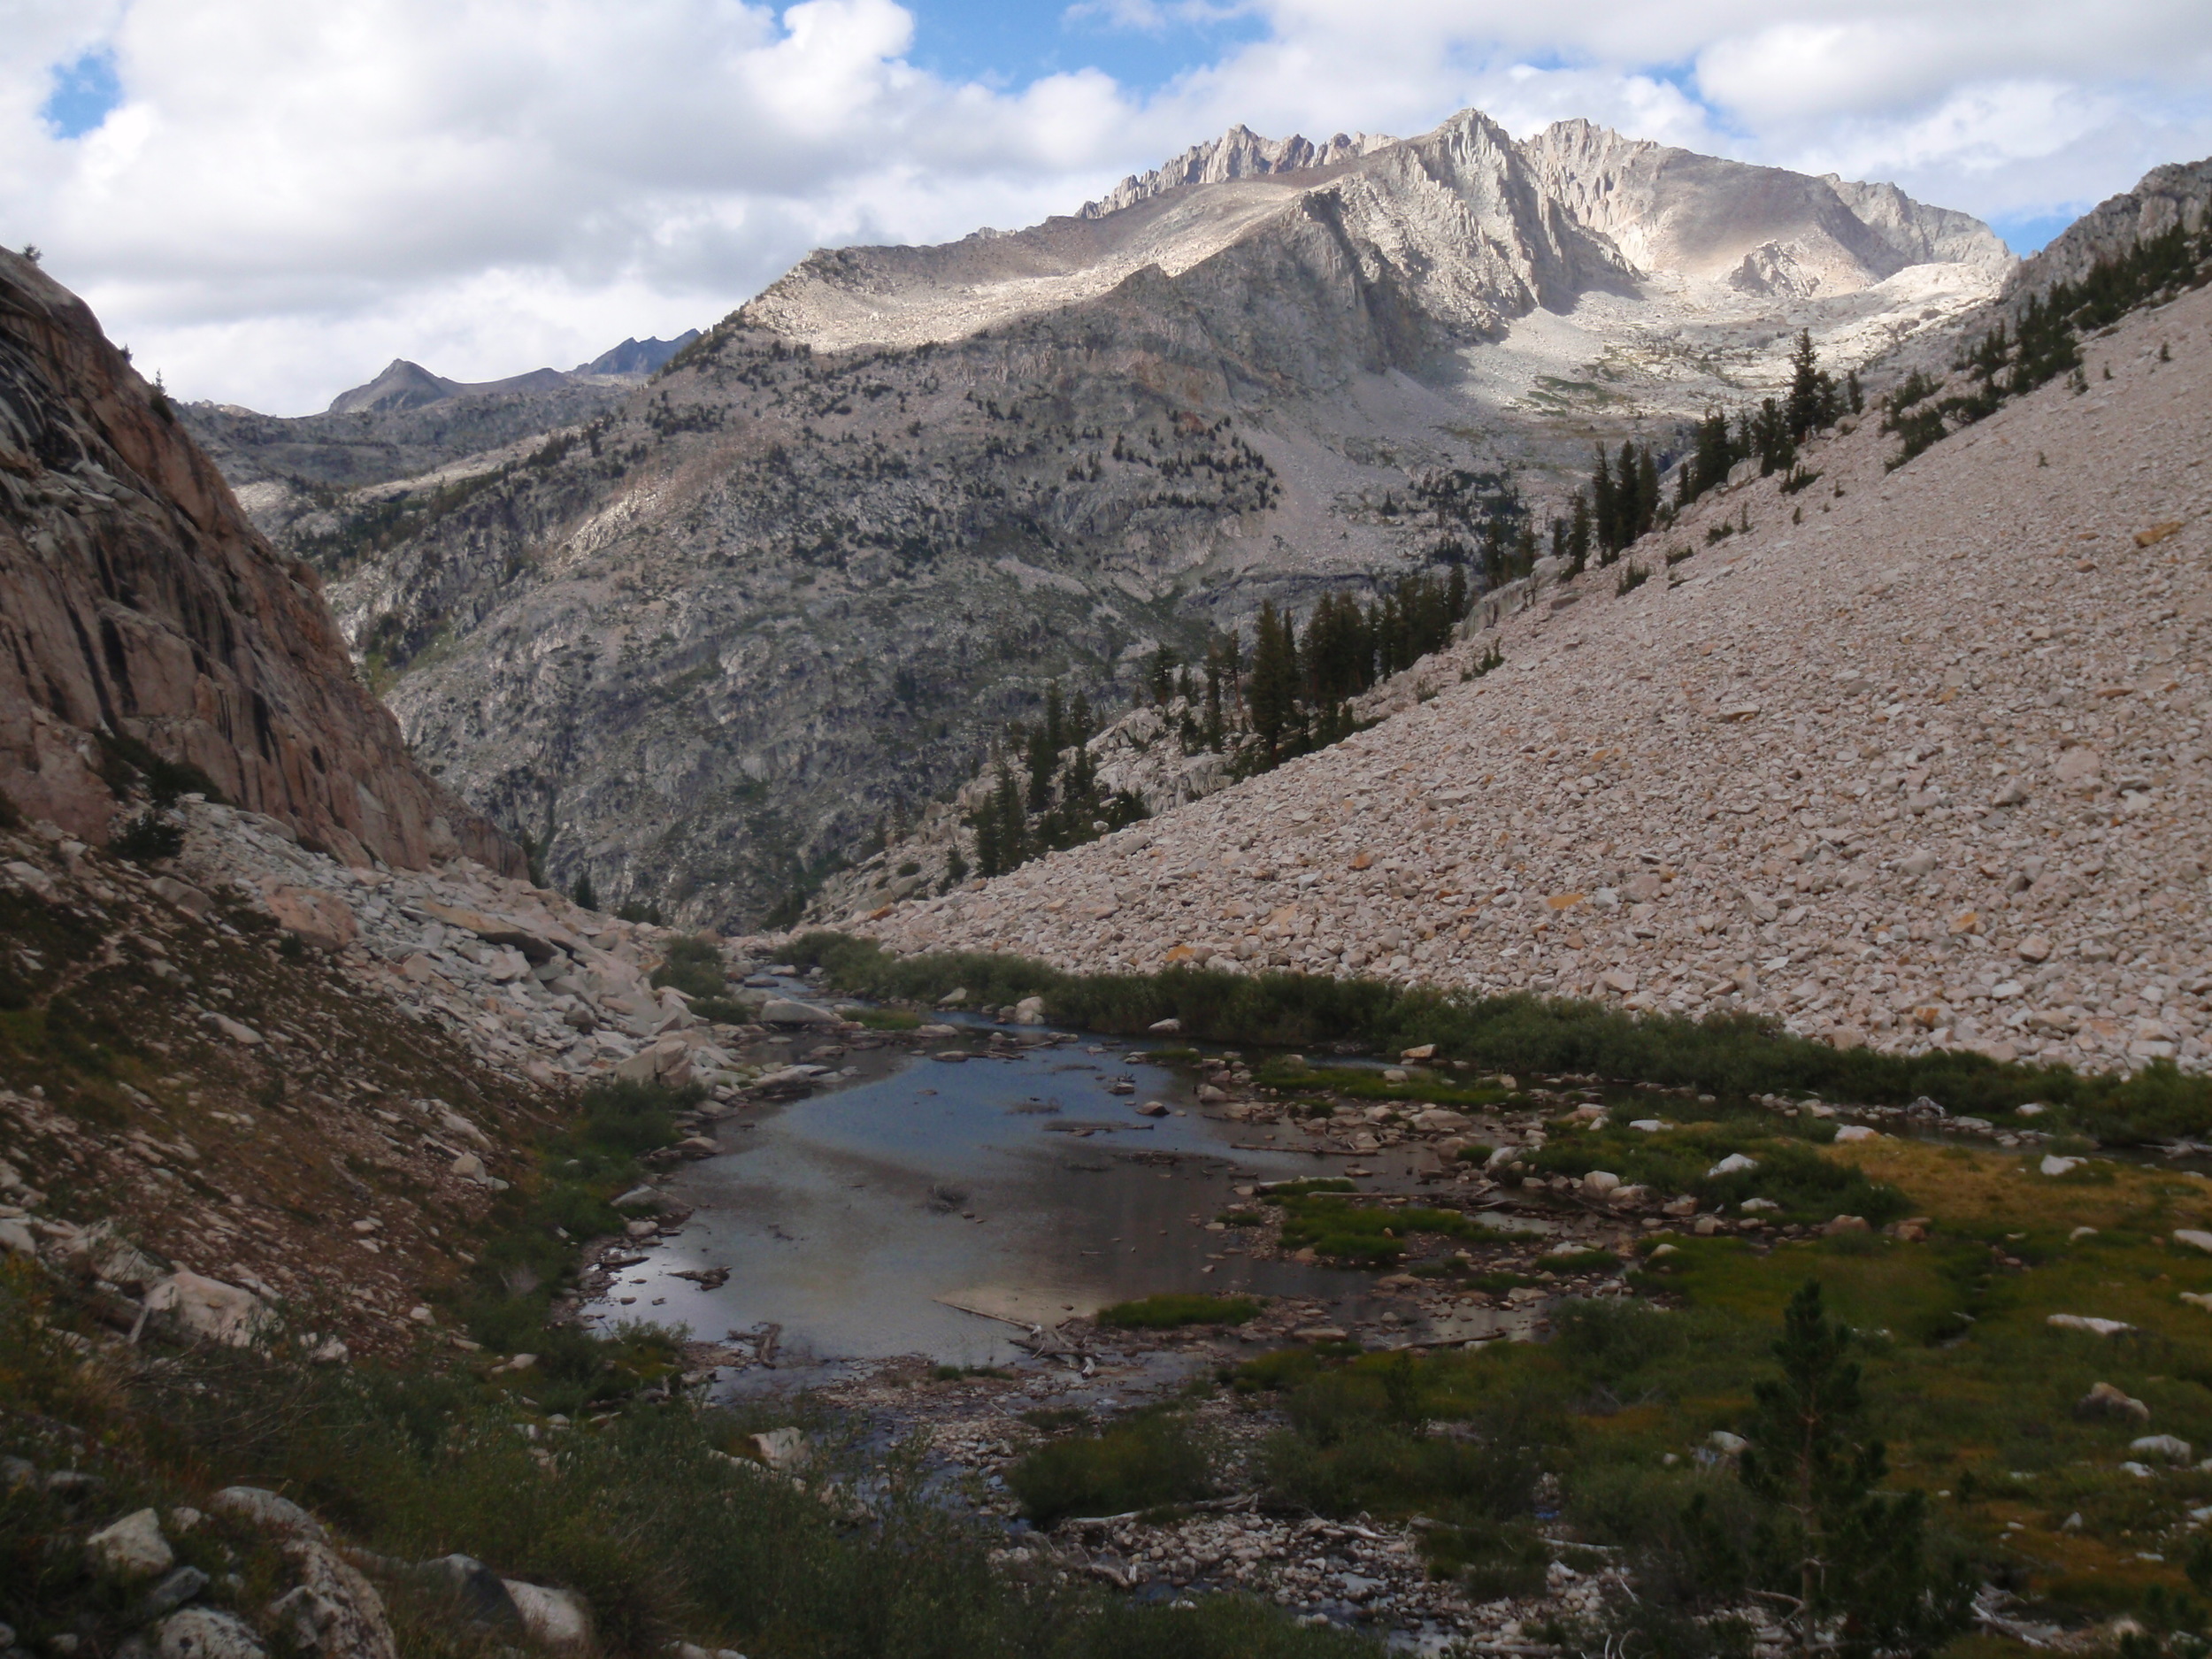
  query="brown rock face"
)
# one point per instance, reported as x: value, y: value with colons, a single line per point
x: 136, y: 599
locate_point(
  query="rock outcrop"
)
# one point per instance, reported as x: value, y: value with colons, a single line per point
x: 135, y: 599
x: 2177, y: 194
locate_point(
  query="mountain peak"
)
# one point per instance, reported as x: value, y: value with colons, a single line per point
x: 403, y: 385
x: 1239, y: 153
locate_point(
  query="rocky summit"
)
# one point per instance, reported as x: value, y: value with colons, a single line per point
x: 699, y: 643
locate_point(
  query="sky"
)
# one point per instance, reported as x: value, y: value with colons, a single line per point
x: 268, y: 201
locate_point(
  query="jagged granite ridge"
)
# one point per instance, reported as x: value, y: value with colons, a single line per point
x: 1239, y: 153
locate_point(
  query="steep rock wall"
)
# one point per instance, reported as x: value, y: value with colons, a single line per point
x: 136, y: 599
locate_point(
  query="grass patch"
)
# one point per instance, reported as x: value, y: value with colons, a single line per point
x: 1369, y: 1234
x: 1788, y: 1172
x: 1172, y: 1311
x: 1149, y: 1460
x: 1734, y: 1054
x: 888, y: 1018
x: 1367, y: 1083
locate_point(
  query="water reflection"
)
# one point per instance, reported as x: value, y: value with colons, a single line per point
x: 853, y: 1220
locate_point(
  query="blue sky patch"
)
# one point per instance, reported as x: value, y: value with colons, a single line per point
x: 1012, y: 43
x: 84, y: 92
x: 2024, y: 232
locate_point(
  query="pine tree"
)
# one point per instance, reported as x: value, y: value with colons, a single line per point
x: 1272, y: 695
x: 586, y: 899
x: 1603, y: 512
x: 1161, y: 676
x: 1079, y: 728
x: 1850, y: 1563
x: 1626, y: 501
x: 1044, y: 759
x: 1055, y: 727
x: 1647, y: 491
x: 1006, y: 802
x: 1579, y: 534
x: 1809, y: 389
x: 986, y: 858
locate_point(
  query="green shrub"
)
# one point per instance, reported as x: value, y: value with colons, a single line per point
x: 721, y: 1010
x: 1149, y: 1460
x: 1360, y: 1440
x: 1791, y: 1174
x: 148, y: 839
x: 1610, y: 1340
x: 1730, y: 1055
x: 888, y: 1018
x: 693, y: 966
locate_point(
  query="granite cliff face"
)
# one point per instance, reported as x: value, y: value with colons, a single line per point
x: 2177, y: 194
x: 702, y: 641
x: 140, y: 601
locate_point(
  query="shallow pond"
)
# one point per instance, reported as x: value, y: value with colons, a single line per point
x: 878, y: 1220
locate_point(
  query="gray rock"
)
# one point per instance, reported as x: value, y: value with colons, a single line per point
x: 481, y: 1594
x: 133, y: 1548
x: 207, y: 1310
x: 261, y: 1508
x: 783, y: 1011
x: 175, y: 1591
x: 203, y: 1632
x: 559, y: 1618
x: 334, y: 1610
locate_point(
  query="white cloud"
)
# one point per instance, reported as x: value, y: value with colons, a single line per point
x: 290, y: 195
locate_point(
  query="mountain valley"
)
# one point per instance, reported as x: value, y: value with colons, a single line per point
x: 499, y: 1157
x: 698, y: 644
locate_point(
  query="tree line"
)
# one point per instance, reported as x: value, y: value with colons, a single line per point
x: 2044, y: 340
x: 1624, y: 499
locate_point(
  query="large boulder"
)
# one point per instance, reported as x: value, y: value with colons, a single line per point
x: 559, y: 1618
x: 783, y: 1011
x: 333, y: 1612
x: 313, y: 917
x: 480, y: 1593
x: 207, y: 1310
x: 133, y: 1548
x: 258, y: 1506
x: 204, y: 1632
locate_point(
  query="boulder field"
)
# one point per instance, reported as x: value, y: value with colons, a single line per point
x: 1909, y: 758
